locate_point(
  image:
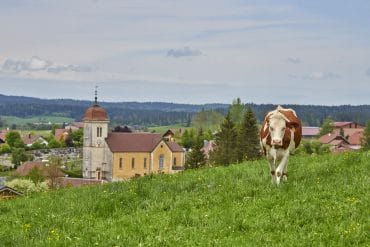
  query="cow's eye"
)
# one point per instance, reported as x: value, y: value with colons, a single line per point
x: 271, y: 128
x: 283, y: 129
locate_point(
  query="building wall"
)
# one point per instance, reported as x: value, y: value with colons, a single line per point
x: 127, y: 171
x: 162, y: 149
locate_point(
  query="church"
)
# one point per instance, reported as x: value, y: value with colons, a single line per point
x: 115, y: 156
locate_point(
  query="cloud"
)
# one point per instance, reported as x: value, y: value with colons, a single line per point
x: 294, y: 60
x: 368, y: 72
x: 183, y: 52
x: 38, y: 64
x: 317, y: 76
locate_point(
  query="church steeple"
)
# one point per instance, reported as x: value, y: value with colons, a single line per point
x: 96, y: 96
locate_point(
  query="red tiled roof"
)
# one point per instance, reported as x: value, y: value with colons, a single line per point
x: 30, y: 139
x: 79, y: 125
x: 310, y: 131
x: 60, y: 134
x: 341, y: 124
x: 95, y: 112
x: 137, y: 142
x: 356, y: 138
x: 174, y: 147
x: 26, y: 167
x: 3, y: 134
x: 132, y: 142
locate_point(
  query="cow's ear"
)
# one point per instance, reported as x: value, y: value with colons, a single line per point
x: 293, y: 124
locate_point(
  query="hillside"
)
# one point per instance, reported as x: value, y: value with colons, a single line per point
x: 160, y: 113
x: 325, y: 203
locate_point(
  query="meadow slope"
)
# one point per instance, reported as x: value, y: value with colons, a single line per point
x: 325, y: 203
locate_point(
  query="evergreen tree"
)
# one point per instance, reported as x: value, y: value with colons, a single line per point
x: 226, y: 143
x: 14, y: 140
x: 327, y: 127
x: 366, y: 138
x: 248, y: 139
x: 196, y: 157
x: 236, y: 111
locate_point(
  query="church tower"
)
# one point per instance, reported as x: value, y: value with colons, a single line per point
x: 96, y: 122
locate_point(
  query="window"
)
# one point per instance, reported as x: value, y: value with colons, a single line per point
x: 161, y: 161
x: 144, y: 163
x: 133, y: 163
x: 174, y: 161
x: 120, y: 163
x: 99, y: 131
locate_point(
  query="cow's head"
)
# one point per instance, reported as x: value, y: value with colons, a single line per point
x: 277, y: 126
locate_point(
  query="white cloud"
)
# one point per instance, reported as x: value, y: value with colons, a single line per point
x: 35, y: 64
x: 368, y: 72
x: 183, y: 52
x: 319, y: 75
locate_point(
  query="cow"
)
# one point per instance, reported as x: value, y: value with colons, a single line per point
x: 280, y: 134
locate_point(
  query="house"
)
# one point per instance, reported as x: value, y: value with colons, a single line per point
x: 119, y: 155
x: 310, y: 132
x: 337, y: 143
x: 350, y: 125
x: 8, y: 192
x: 208, y: 147
x: 30, y: 139
x: 26, y: 167
x: 75, y: 126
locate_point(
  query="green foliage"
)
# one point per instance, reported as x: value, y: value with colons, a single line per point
x: 77, y: 137
x: 225, y: 152
x: 236, y: 111
x: 14, y: 140
x: 36, y: 175
x: 38, y: 145
x: 188, y: 138
x: 312, y: 147
x: 196, y: 157
x: 248, y: 138
x: 18, y: 156
x: 5, y: 148
x: 207, y: 119
x: 54, y: 143
x: 27, y: 186
x: 366, y: 138
x: 327, y: 127
x: 325, y: 202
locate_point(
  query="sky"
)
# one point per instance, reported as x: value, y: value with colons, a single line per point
x: 193, y: 51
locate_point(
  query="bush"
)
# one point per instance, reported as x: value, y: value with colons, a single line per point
x: 313, y: 147
x: 27, y: 186
x: 5, y: 149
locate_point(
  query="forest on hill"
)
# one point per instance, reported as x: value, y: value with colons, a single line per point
x: 160, y: 113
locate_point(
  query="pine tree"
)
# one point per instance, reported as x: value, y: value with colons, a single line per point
x: 248, y: 140
x: 226, y: 143
x: 366, y: 138
x: 196, y: 157
x: 236, y: 111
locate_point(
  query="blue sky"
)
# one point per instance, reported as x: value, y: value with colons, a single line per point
x: 303, y: 52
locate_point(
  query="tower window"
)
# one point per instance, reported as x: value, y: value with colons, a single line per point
x: 174, y: 161
x: 99, y: 131
x: 133, y: 163
x: 120, y: 163
x: 144, y: 163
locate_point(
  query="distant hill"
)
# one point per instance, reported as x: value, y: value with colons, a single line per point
x: 160, y: 113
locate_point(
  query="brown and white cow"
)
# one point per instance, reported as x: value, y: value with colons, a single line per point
x: 280, y: 134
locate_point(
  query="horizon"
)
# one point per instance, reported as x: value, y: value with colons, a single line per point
x: 178, y: 103
x: 190, y: 52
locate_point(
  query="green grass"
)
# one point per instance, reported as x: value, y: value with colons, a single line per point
x: 325, y: 203
x: 44, y: 119
x: 163, y: 129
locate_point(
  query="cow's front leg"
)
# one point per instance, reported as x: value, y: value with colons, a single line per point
x: 272, y: 169
x: 281, y: 167
x: 285, y: 172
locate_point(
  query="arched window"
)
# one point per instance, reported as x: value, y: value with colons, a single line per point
x: 161, y: 162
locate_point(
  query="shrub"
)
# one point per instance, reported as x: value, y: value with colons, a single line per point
x: 27, y: 186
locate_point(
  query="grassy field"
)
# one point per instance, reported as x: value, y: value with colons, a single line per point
x: 42, y: 119
x: 163, y: 129
x: 325, y: 203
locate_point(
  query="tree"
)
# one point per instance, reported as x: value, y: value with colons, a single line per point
x: 366, y: 137
x: 35, y: 174
x: 196, y: 157
x: 225, y: 143
x: 5, y: 148
x: 207, y: 119
x: 236, y: 111
x: 248, y: 138
x: 188, y: 138
x: 14, y: 140
x: 54, y: 143
x: 38, y: 145
x: 53, y: 171
x: 77, y: 137
x: 18, y: 156
x: 327, y: 127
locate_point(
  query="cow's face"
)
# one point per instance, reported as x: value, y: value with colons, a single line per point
x: 277, y: 126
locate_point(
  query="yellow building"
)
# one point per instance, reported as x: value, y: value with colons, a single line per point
x: 117, y: 156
